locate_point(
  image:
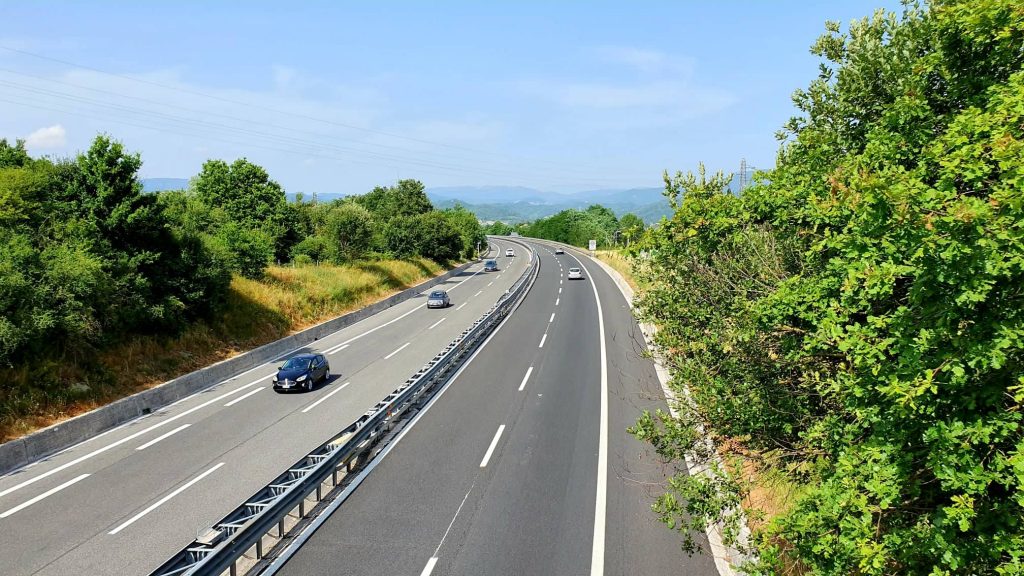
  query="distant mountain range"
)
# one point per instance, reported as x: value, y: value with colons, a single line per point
x: 511, y: 204
x: 514, y: 204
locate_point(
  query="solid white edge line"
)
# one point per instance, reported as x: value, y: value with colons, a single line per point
x: 129, y: 438
x: 522, y: 385
x: 434, y: 325
x: 46, y: 494
x: 429, y: 567
x: 244, y: 396
x: 494, y: 444
x: 163, y: 436
x: 601, y: 498
x: 542, y: 339
x: 306, y: 534
x: 400, y: 348
x: 326, y: 396
x: 719, y: 551
x: 164, y: 500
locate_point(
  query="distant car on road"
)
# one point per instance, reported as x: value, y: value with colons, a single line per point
x: 575, y: 274
x: 510, y: 253
x: 491, y: 266
x: 302, y: 372
x: 438, y: 299
x: 559, y: 251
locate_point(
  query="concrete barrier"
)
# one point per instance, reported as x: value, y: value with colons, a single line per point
x: 23, y: 451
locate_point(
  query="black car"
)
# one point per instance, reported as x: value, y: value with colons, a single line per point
x: 491, y: 266
x: 302, y: 372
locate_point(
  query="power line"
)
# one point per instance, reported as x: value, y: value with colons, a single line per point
x: 275, y: 110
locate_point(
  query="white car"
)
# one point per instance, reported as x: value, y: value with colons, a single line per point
x: 510, y: 253
x: 575, y: 274
x: 559, y: 251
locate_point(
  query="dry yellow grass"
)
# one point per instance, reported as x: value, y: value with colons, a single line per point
x: 285, y: 301
x: 616, y: 260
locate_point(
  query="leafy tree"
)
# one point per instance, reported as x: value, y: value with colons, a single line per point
x: 631, y: 227
x: 855, y: 317
x: 406, y: 199
x: 13, y: 156
x: 436, y: 238
x: 251, y: 250
x: 469, y: 229
x: 348, y: 231
x: 499, y: 228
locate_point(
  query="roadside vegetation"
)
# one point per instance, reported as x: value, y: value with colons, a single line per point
x: 578, y: 227
x: 105, y: 290
x: 851, y: 327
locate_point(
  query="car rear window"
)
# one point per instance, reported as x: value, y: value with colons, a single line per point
x: 437, y: 294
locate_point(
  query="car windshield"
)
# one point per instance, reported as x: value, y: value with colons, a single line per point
x: 574, y: 269
x: 437, y: 294
x: 297, y: 364
x: 491, y: 262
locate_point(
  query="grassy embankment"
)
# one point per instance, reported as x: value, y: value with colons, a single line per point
x: 770, y: 492
x: 286, y: 300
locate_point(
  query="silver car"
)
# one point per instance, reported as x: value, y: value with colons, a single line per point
x: 575, y: 274
x: 438, y: 299
x: 510, y: 253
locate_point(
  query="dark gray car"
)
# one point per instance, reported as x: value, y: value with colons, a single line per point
x: 302, y: 372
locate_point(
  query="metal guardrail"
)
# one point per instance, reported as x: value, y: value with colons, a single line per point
x: 244, y: 529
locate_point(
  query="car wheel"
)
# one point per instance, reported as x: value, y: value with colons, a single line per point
x: 327, y: 375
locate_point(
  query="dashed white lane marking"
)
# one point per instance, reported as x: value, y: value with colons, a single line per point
x: 557, y: 300
x: 432, y: 326
x: 461, y: 306
x: 164, y: 500
x: 478, y: 293
x: 244, y: 396
x: 522, y: 385
x: 163, y: 436
x: 542, y: 339
x: 328, y: 395
x: 400, y: 348
x: 46, y: 494
x: 494, y: 444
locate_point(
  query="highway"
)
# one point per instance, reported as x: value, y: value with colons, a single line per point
x: 506, y: 472
x: 123, y: 502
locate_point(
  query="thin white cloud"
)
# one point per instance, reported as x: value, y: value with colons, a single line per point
x: 646, y: 60
x: 676, y: 99
x: 48, y: 138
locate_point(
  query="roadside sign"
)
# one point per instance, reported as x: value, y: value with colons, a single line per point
x: 593, y: 245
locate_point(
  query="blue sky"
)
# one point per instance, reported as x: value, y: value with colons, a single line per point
x: 340, y: 96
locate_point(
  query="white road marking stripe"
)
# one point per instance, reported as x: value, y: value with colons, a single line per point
x: 542, y: 339
x: 164, y: 500
x: 436, y: 323
x: 478, y: 293
x: 490, y: 284
x: 525, y: 378
x: 328, y: 395
x: 494, y: 444
x: 429, y: 567
x: 552, y: 319
x: 244, y: 396
x: 559, y: 280
x: 99, y: 451
x: 46, y: 494
x: 559, y: 290
x: 400, y: 348
x: 337, y: 348
x: 461, y: 306
x: 163, y: 436
x: 601, y: 497
x: 557, y: 300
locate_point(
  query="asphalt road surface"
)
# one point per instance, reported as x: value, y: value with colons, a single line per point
x: 507, y: 471
x: 125, y: 501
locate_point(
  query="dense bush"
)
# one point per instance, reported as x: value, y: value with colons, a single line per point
x: 578, y: 227
x: 86, y: 257
x: 856, y: 318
